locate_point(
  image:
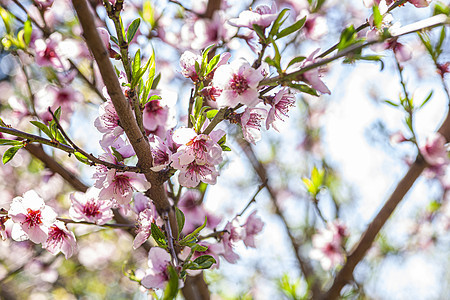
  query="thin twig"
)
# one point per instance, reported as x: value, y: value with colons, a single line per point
x: 91, y: 157
x: 261, y: 186
x: 170, y: 238
x: 70, y: 221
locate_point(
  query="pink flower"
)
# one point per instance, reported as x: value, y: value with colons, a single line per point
x: 251, y: 120
x: 213, y: 249
x: 263, y: 16
x: 44, y: 4
x: 54, y: 97
x: 162, y: 156
x: 252, y: 227
x: 281, y: 103
x: 88, y: 207
x: 157, y: 275
x: 434, y: 151
x: 397, y: 137
x: 47, y: 53
x: 31, y: 217
x: 238, y: 83
x: 327, y: 245
x: 211, y: 31
x: 313, y: 76
x: 200, y: 148
x: 60, y: 240
x: 104, y: 35
x: 197, y: 156
x: 121, y: 185
x: 108, y: 123
x: 144, y: 223
x: 5, y: 227
x: 234, y: 234
x: 142, y: 202
x: 420, y: 3
x: 158, y: 115
x: 187, y: 63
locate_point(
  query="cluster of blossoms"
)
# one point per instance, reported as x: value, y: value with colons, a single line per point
x: 33, y: 220
x: 328, y: 245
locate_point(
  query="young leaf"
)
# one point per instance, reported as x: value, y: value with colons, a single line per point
x: 82, y: 158
x: 136, y: 62
x: 426, y: 99
x: 171, y: 290
x: 210, y: 114
x: 9, y: 154
x: 377, y: 17
x: 291, y: 29
x: 132, y: 29
x: 199, y: 248
x: 180, y: 220
x: 43, y: 128
x: 202, y: 262
x: 296, y: 60
x: 156, y: 81
x: 27, y: 28
x: 260, y: 32
x: 195, y: 232
x: 212, y: 64
x: 304, y: 89
x: 6, y: 142
x: 158, y: 236
x: 277, y: 23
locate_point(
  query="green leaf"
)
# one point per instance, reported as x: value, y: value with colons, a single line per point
x: 114, y: 40
x: 310, y: 186
x: 82, y: 158
x: 202, y: 262
x: 199, y: 248
x: 9, y: 154
x: 441, y: 41
x: 277, y: 23
x: 441, y: 8
x: 57, y: 113
x: 225, y: 148
x: 171, y: 290
x: 391, y: 103
x: 426, y: 99
x: 304, y: 88
x: 180, y: 220
x: 132, y: 29
x: 117, y: 154
x: 377, y: 17
x: 317, y: 177
x: 260, y: 32
x: 348, y: 37
x: 194, y: 233
x: 136, y: 66
x: 291, y: 29
x: 296, y: 60
x: 210, y: 114
x: 212, y: 64
x: 158, y: 236
x: 43, y: 128
x: 3, y: 124
x: 135, y: 80
x: 27, y: 28
x: 156, y: 81
x: 6, y: 142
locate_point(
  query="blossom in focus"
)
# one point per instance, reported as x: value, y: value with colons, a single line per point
x: 108, y: 123
x: 434, y: 150
x: 157, y: 275
x: 32, y: 218
x: 187, y: 64
x: 262, y: 15
x: 60, y: 239
x: 251, y: 120
x: 327, y: 245
x: 162, y: 156
x: 237, y: 83
x: 88, y: 207
x: 281, y: 103
x: 197, y: 156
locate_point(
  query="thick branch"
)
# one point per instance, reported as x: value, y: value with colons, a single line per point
x: 366, y: 240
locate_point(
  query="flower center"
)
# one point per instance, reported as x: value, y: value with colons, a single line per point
x: 55, y: 234
x: 239, y: 84
x: 121, y: 184
x: 33, y: 218
x: 49, y: 53
x: 91, y: 209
